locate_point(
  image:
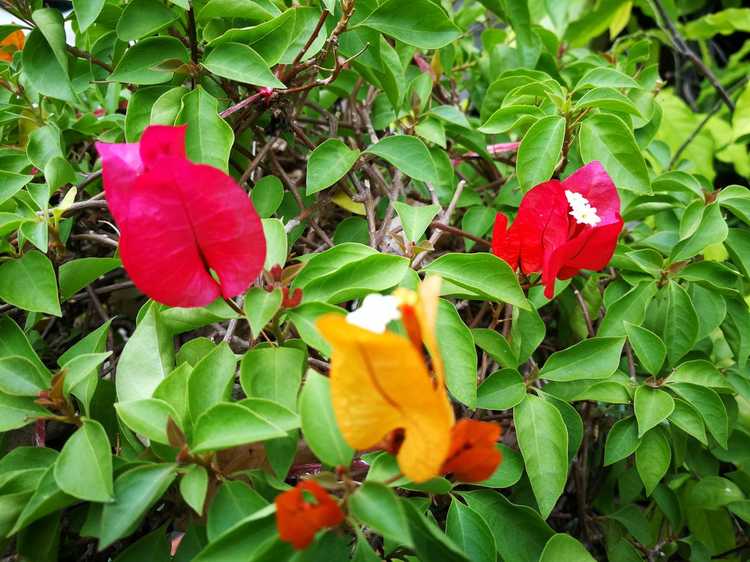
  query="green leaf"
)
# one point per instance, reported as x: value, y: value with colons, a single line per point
x: 29, y: 283
x: 241, y: 63
x: 420, y: 23
x: 713, y: 492
x: 408, y: 154
x: 147, y: 358
x: 44, y: 144
x: 607, y: 99
x: 376, y: 506
x: 604, y: 76
x: 139, y: 64
x: 319, y: 422
x: 511, y: 117
x: 430, y: 543
x: 564, y: 547
x: 330, y: 261
x: 230, y: 425
x: 209, y: 138
x: 276, y: 243
x: 709, y: 406
x: 481, y: 273
x: 76, y: 274
x: 165, y: 109
x: 234, y: 502
x: 459, y: 354
x: 502, y: 390
x: 540, y: 151
x: 329, y: 162
x: 470, y: 532
x: 711, y: 230
x: 375, y: 273
x: 606, y: 138
x: 648, y: 347
x: 81, y: 367
x: 43, y: 69
x: 47, y: 499
x: 630, y: 307
x: 20, y: 377
x: 520, y: 534
x: 246, y: 540
x: 246, y: 10
x: 18, y: 411
x: 304, y: 317
x: 594, y: 358
x: 415, y: 218
x: 260, y: 307
x: 688, y: 420
x: 193, y: 487
x: 136, y: 491
x: 741, y: 117
x: 274, y: 373
x: 143, y: 17
x: 50, y: 22
x: 652, y: 406
x: 267, y: 195
x: 140, y: 107
x: 543, y: 440
x: 702, y: 373
x: 652, y: 458
x: 84, y: 467
x: 495, y: 344
x: 211, y: 380
x: 680, y: 323
x: 11, y: 183
x: 622, y: 440
x: 87, y: 11
x: 154, y: 547
x: 147, y: 417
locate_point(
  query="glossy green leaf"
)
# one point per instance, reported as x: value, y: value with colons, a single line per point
x: 481, y: 273
x: 540, y: 151
x: 84, y: 467
x: 136, y: 491
x: 652, y: 406
x: 543, y: 440
x: 607, y: 139
x: 241, y: 63
x: 329, y: 162
x: 594, y: 358
x: 319, y: 423
x: 408, y: 154
x: 415, y: 218
x: 420, y: 23
x: 29, y: 283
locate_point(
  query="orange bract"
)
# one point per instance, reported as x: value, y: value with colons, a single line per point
x: 299, y: 520
x: 380, y: 382
x: 12, y: 43
x: 473, y: 456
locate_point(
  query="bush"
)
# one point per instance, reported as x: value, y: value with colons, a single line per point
x: 486, y: 299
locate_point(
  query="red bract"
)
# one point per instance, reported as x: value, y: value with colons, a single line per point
x: 180, y: 223
x: 297, y: 519
x: 473, y: 456
x: 562, y: 227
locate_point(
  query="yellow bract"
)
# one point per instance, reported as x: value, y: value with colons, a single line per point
x: 380, y: 382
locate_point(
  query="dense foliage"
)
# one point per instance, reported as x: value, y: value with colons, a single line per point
x: 378, y: 141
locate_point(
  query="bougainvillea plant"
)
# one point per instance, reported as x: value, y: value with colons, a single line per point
x: 401, y: 280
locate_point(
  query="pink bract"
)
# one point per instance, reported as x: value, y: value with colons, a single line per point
x: 545, y: 237
x: 188, y: 233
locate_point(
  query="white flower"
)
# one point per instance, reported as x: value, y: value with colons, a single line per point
x: 375, y: 313
x: 581, y: 209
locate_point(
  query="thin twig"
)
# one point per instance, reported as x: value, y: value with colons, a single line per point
x: 682, y: 47
x: 445, y: 219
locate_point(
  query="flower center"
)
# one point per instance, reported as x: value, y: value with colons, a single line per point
x: 581, y: 209
x: 375, y: 313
